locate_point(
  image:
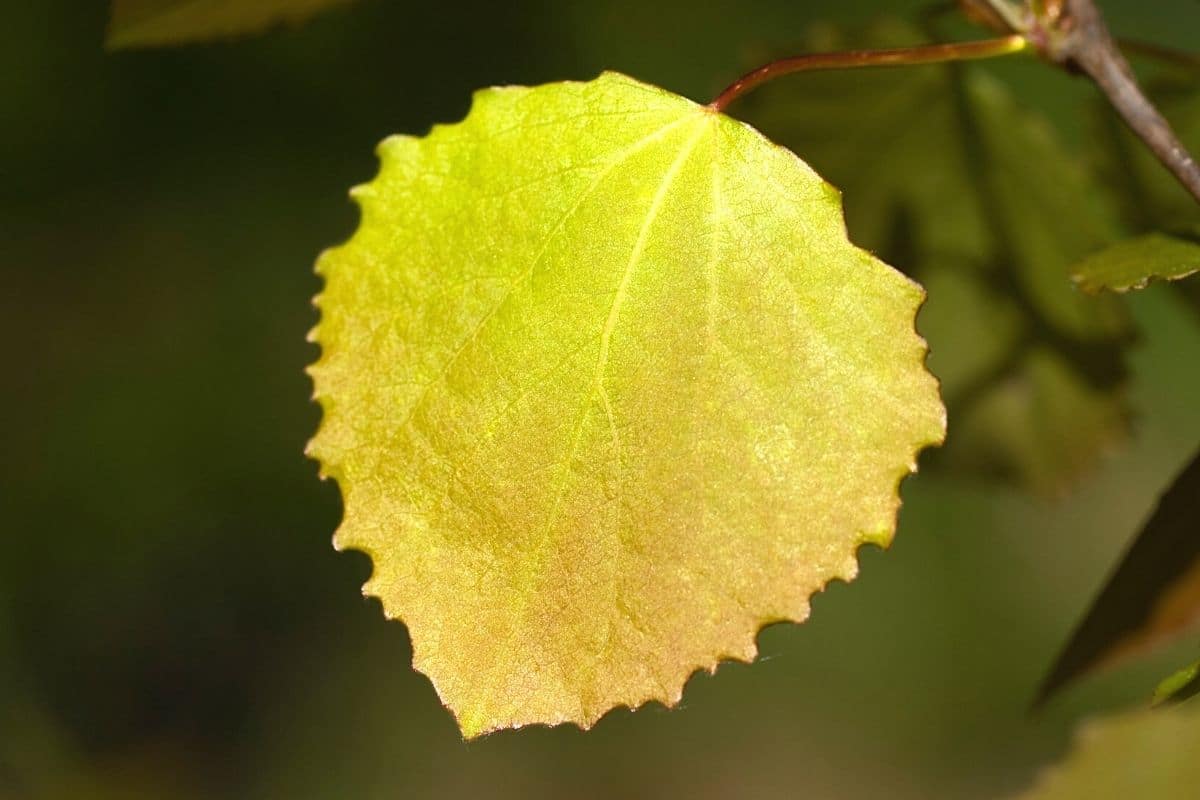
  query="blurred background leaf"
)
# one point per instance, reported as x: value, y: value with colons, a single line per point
x: 1133, y: 263
x: 1153, y: 594
x: 1136, y: 754
x: 1149, y: 199
x: 1178, y: 686
x: 141, y: 23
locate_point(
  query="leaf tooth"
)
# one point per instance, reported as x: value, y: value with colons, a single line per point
x: 652, y: 672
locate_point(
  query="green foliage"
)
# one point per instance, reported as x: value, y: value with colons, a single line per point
x: 1132, y: 264
x: 1149, y: 200
x: 1179, y: 686
x: 1153, y: 595
x: 600, y: 415
x: 146, y: 23
x: 1150, y: 754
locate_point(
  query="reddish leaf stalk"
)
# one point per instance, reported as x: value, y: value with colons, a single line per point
x: 903, y: 56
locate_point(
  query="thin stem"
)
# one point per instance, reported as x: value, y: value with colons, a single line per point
x: 1082, y: 41
x: 925, y: 54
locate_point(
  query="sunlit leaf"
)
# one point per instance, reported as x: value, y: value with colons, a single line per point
x: 606, y: 389
x: 941, y: 163
x: 1132, y: 264
x: 1151, y: 597
x: 1143, y: 754
x: 1179, y: 686
x: 144, y: 23
x: 945, y: 174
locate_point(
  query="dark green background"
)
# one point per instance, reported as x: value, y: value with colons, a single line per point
x: 173, y: 621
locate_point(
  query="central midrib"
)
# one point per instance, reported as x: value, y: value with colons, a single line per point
x: 537, y: 554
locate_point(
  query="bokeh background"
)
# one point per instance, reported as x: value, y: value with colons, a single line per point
x: 173, y: 620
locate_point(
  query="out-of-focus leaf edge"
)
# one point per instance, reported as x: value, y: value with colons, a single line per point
x: 122, y: 34
x: 1133, y: 264
x: 1179, y: 686
x: 1163, y: 559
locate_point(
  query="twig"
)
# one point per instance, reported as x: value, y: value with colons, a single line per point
x: 1079, y: 40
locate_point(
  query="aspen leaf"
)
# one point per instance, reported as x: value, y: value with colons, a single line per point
x: 143, y: 23
x: 1133, y: 263
x: 606, y: 389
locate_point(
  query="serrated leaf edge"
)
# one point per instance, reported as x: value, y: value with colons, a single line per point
x: 881, y: 538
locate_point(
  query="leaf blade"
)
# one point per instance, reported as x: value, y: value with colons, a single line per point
x: 1132, y: 264
x: 599, y: 415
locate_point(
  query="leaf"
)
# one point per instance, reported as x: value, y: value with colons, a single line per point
x: 945, y: 174
x: 149, y: 23
x: 1179, y: 687
x: 606, y: 390
x: 1144, y: 753
x: 1133, y: 263
x: 1153, y: 595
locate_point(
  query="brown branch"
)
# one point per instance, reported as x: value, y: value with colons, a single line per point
x: 1079, y: 40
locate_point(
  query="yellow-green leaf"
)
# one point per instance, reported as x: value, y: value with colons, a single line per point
x: 147, y: 23
x: 1178, y: 686
x: 1133, y: 263
x: 1143, y: 754
x: 606, y: 389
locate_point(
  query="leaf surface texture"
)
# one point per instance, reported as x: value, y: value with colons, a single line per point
x: 607, y: 389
